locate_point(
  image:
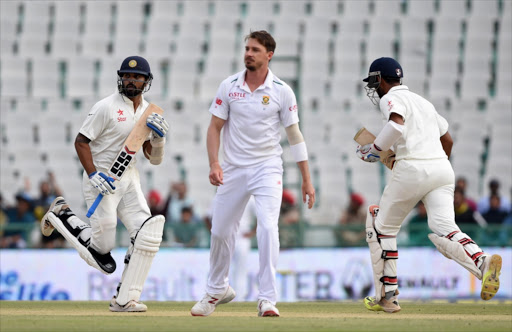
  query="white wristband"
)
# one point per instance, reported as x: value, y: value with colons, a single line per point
x: 299, y: 151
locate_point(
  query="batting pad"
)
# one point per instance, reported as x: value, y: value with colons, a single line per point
x: 454, y: 250
x: 146, y: 245
x: 375, y: 254
x: 82, y: 251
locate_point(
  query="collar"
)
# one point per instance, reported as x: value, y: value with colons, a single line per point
x: 128, y: 101
x: 398, y: 87
x: 240, y: 82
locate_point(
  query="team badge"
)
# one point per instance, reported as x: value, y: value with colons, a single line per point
x: 398, y: 72
x: 132, y: 63
x: 266, y: 100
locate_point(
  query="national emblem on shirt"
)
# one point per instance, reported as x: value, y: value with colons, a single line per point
x: 265, y: 100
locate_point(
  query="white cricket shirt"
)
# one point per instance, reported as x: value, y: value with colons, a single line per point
x: 107, y: 125
x: 251, y: 132
x: 423, y: 126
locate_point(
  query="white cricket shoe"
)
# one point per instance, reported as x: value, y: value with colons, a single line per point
x: 131, y: 306
x: 267, y: 309
x: 207, y: 305
x: 491, y: 270
x: 57, y: 205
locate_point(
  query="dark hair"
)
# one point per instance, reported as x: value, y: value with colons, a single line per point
x: 186, y: 209
x: 264, y: 38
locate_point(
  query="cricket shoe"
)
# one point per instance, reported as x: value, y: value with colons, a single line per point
x: 371, y: 304
x: 131, y: 306
x: 207, y: 305
x: 267, y: 309
x: 491, y: 268
x: 389, y: 305
x: 57, y: 205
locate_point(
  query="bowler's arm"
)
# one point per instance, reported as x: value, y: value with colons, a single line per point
x: 213, y: 145
x: 299, y: 151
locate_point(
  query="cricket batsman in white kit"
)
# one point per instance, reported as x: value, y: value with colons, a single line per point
x: 98, y: 145
x: 422, y: 144
x: 250, y: 106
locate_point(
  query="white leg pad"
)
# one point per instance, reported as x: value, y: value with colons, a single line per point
x: 455, y: 250
x: 82, y: 250
x: 383, y: 254
x: 375, y: 251
x: 146, y: 245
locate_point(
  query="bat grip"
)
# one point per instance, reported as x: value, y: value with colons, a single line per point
x: 94, y: 205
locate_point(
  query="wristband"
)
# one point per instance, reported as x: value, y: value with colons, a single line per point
x: 299, y: 152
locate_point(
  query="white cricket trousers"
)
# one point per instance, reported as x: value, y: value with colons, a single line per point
x: 431, y: 181
x: 128, y: 203
x: 264, y: 182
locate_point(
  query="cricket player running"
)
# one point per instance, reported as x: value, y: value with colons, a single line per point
x: 420, y: 139
x: 98, y: 142
x: 250, y: 106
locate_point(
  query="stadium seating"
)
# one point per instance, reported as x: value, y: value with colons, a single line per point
x: 56, y: 55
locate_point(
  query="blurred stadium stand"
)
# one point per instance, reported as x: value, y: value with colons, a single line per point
x: 59, y: 57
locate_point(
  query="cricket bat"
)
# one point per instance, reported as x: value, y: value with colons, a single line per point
x: 363, y: 136
x: 131, y: 145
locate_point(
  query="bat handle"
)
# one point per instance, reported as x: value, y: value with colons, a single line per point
x: 94, y: 205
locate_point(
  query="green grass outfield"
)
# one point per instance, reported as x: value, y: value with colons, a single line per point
x: 242, y: 316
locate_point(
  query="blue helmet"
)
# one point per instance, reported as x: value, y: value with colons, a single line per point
x: 387, y: 68
x: 136, y: 65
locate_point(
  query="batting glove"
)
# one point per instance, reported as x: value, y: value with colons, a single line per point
x: 158, y: 124
x: 103, y: 183
x: 369, y: 152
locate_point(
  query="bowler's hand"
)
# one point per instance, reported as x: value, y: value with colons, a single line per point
x: 308, y: 191
x: 216, y: 174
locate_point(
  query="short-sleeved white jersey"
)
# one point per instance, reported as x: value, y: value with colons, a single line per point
x: 423, y: 126
x: 108, y: 124
x: 251, y: 132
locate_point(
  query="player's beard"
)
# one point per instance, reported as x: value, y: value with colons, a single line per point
x: 130, y: 91
x: 252, y: 66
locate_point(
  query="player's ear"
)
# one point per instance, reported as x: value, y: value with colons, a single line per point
x: 270, y: 55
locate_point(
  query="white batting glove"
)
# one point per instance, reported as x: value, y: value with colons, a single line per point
x: 369, y: 153
x: 103, y: 183
x: 158, y: 124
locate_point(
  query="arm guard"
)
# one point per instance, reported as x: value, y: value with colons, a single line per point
x: 391, y: 132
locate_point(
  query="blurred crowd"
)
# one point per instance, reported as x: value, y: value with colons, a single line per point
x: 487, y: 219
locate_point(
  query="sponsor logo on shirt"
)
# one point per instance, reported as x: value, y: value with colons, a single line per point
x: 265, y: 100
x: 236, y: 95
x: 390, y: 106
x: 293, y: 108
x: 218, y: 101
x: 120, y: 117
